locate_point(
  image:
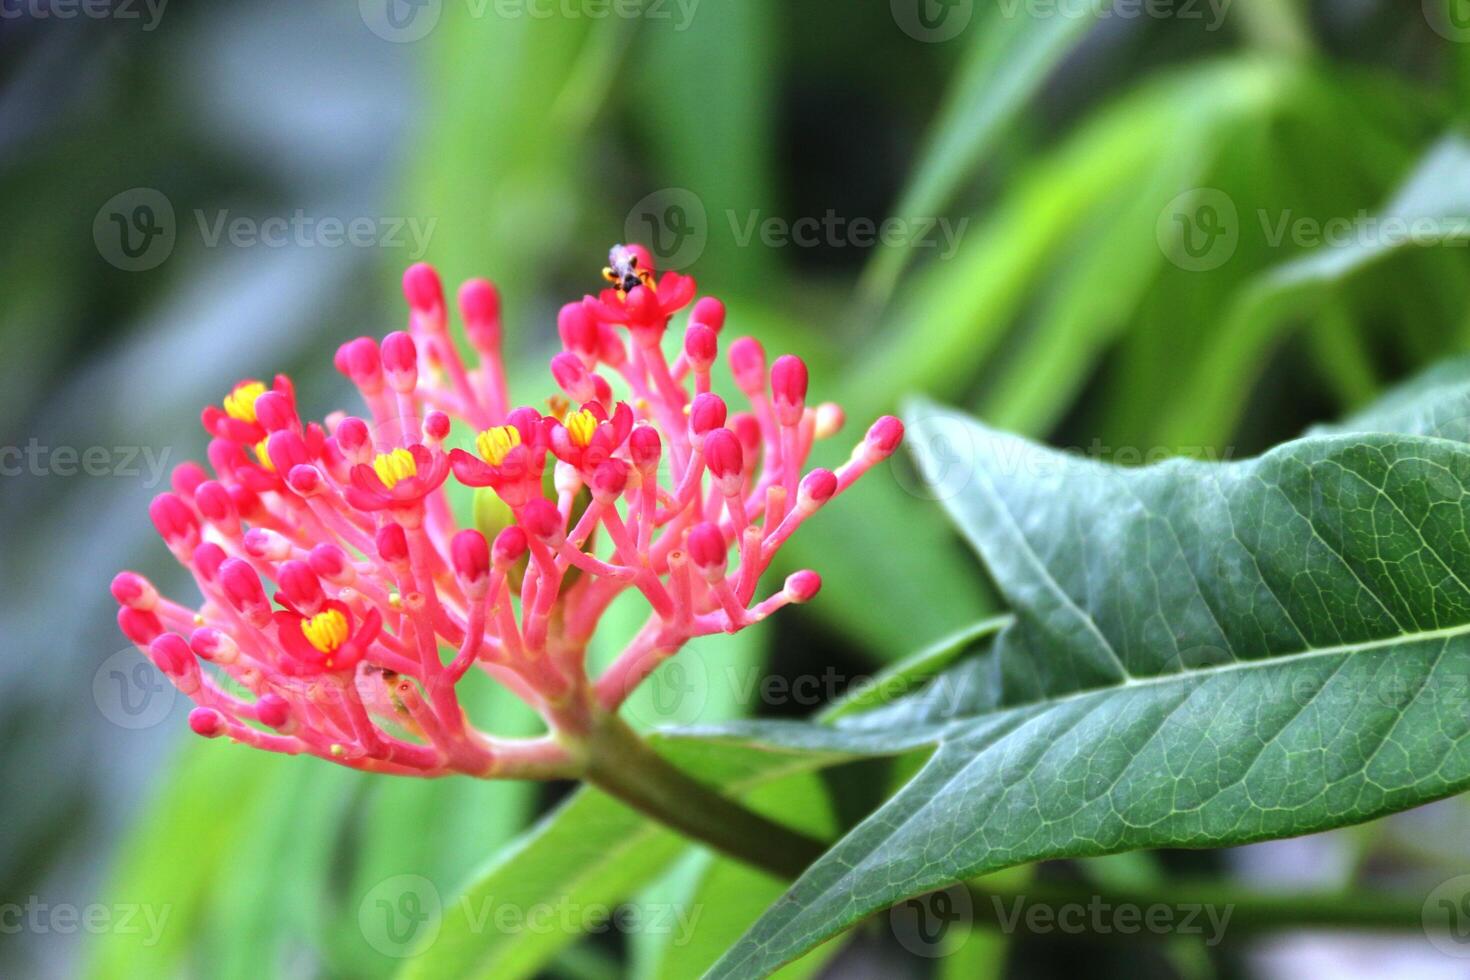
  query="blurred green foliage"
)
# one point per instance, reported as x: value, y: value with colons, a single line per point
x: 1060, y: 145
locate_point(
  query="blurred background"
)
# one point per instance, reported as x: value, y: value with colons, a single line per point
x: 1174, y: 226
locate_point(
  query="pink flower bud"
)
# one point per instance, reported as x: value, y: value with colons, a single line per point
x: 542, y: 520
x: 884, y: 436
x: 817, y: 487
x: 217, y: 506
x: 247, y: 502
x: 471, y: 555
x: 274, y: 411
x: 725, y: 459
x: 186, y: 477
x: 208, y: 557
x: 436, y: 426
x: 645, y: 447
x: 306, y: 480
x: 331, y: 563
x: 241, y: 585
x: 748, y: 364
x: 610, y: 347
x: 422, y: 288
x: 479, y: 305
x: 802, y: 586
x: 788, y: 388
x: 579, y: 333
x: 286, y: 449
x: 392, y: 544
x: 510, y: 545
x: 708, y: 549
x: 707, y: 412
x: 748, y: 429
x: 134, y: 591
x: 355, y: 440
x: 212, y: 645
x: 701, y: 345
x: 401, y: 362
x: 609, y: 480
x: 174, y: 521
x: 360, y: 360
x: 171, y: 653
x: 572, y: 377
x: 138, y: 625
x: 207, y: 722
x: 273, y: 711
x: 300, y: 586
x: 710, y: 312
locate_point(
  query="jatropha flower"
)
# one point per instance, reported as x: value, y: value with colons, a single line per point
x: 341, y: 603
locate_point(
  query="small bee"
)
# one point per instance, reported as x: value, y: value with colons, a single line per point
x: 623, y: 272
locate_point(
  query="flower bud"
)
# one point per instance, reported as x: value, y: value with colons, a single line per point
x: 802, y: 586
x: 701, y: 345
x: 748, y: 365
x: 708, y: 550
x: 174, y: 521
x: 645, y: 447
x: 171, y: 653
x: 355, y: 440
x: 331, y: 563
x: 301, y: 587
x: 286, y: 449
x: 471, y: 555
x: 273, y: 711
x: 186, y: 477
x: 725, y: 459
x: 423, y: 290
x: 401, y: 362
x: 817, y: 487
x: 479, y: 306
x: 573, y: 377
x: 883, y: 437
x: 207, y: 722
x: 134, y: 591
x: 360, y: 360
x: 208, y: 557
x: 710, y: 312
x: 830, y: 420
x: 262, y: 542
x: 138, y: 625
x: 542, y: 520
x: 392, y: 544
x: 609, y: 480
x: 241, y: 586
x: 210, y: 644
x: 788, y: 388
x: 275, y: 411
x: 579, y: 333
x: 510, y: 546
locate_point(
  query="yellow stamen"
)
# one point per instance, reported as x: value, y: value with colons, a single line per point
x: 558, y: 406
x: 326, y: 631
x: 264, y: 457
x: 395, y: 466
x: 495, y: 442
x: 580, y: 426
x: 240, y: 403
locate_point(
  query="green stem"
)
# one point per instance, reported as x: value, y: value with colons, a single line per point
x: 1223, y: 909
x: 622, y: 765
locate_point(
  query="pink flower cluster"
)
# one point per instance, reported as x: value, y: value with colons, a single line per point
x: 333, y: 573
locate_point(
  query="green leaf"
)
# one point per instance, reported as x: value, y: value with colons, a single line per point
x: 1204, y: 654
x: 1011, y: 57
x: 591, y: 852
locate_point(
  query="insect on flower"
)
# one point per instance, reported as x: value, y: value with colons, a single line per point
x: 341, y: 602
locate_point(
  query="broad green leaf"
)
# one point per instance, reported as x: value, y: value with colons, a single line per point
x: 1204, y: 654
